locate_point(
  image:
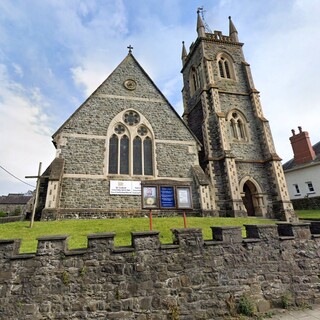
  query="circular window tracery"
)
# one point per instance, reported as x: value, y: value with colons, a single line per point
x: 119, y: 129
x: 142, y: 131
x: 130, y: 84
x: 131, y: 118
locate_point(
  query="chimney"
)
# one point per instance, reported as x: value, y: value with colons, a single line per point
x: 301, y: 146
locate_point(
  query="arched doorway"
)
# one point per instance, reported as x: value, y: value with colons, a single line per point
x: 248, y: 198
x: 252, y: 197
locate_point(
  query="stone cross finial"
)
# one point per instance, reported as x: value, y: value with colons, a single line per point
x: 130, y: 47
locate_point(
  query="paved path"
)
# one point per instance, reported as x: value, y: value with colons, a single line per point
x: 307, y: 314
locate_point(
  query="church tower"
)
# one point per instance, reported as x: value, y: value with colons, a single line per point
x: 222, y: 108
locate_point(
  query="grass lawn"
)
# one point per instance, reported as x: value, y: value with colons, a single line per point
x: 79, y: 229
x: 308, y: 214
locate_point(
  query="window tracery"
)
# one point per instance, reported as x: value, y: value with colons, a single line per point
x: 131, y: 150
x: 238, y: 126
x: 225, y: 66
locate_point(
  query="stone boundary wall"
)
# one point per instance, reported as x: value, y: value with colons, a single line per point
x: 312, y: 203
x: 11, y: 219
x: 188, y: 279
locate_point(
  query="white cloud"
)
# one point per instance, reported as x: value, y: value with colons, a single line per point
x: 70, y: 47
x: 285, y: 68
x: 25, y: 139
x: 18, y: 70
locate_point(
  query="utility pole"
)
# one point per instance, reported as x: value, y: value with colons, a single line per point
x: 35, y: 204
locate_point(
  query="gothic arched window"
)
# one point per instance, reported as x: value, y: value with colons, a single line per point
x: 238, y: 126
x: 225, y: 66
x: 194, y: 81
x: 130, y: 146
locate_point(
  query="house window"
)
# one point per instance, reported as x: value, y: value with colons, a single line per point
x: 238, y: 126
x: 310, y: 187
x: 130, y: 146
x: 297, y: 190
x: 225, y: 67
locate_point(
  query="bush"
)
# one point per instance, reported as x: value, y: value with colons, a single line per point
x: 287, y: 301
x: 246, y: 306
x: 3, y: 214
x: 17, y: 211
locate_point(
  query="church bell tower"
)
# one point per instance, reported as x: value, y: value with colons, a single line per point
x: 222, y: 108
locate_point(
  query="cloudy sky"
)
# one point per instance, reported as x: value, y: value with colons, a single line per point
x: 54, y: 53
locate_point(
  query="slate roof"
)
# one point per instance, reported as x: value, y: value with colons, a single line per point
x: 15, y: 198
x: 292, y: 165
x: 55, y: 169
x: 200, y: 175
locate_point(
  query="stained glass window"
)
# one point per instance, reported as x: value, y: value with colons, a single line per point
x: 137, y: 156
x: 124, y: 155
x: 130, y: 146
x: 113, y: 154
x: 147, y: 146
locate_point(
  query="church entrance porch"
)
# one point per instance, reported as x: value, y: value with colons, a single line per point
x: 252, y: 197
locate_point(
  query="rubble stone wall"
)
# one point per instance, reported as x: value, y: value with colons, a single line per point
x: 190, y: 279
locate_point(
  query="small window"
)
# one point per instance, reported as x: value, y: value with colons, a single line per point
x: 238, y: 126
x: 225, y: 67
x: 310, y: 187
x: 194, y: 81
x: 296, y: 189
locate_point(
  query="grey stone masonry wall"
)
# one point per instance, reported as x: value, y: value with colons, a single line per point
x: 84, y: 156
x: 190, y: 279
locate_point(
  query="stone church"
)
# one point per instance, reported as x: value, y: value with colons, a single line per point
x: 125, y: 150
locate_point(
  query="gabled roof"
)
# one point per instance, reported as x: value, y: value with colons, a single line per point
x: 15, y: 198
x: 291, y: 164
x: 110, y: 87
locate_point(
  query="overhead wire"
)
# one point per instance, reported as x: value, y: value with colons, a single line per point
x: 16, y: 177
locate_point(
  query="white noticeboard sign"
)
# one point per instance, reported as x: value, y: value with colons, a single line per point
x: 184, y: 197
x: 125, y: 187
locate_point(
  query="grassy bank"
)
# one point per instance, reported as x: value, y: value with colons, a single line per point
x: 308, y: 214
x: 79, y: 229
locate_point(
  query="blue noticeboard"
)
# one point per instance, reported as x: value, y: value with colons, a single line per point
x: 167, y: 197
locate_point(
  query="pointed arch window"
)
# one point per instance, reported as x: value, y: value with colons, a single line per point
x: 238, y: 126
x: 137, y: 155
x: 131, y: 147
x: 225, y: 66
x: 148, y: 159
x: 124, y: 155
x: 113, y: 154
x: 194, y: 81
